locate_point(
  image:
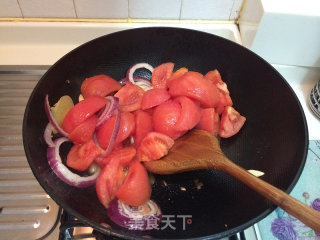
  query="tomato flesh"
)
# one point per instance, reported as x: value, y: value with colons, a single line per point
x: 154, y: 97
x: 160, y: 75
x: 213, y: 76
x: 127, y: 126
x: 136, y: 189
x: 224, y: 95
x: 154, y: 146
x: 209, y: 121
x: 109, y: 180
x: 100, y: 85
x: 231, y: 122
x: 130, y: 97
x: 143, y: 122
x: 123, y: 154
x: 82, y: 111
x: 84, y: 132
x: 80, y: 157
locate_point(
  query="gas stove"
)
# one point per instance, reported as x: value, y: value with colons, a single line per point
x: 26, y: 210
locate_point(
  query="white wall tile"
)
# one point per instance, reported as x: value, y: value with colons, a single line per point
x: 206, y: 9
x: 101, y: 8
x: 48, y: 8
x: 9, y: 8
x: 236, y: 9
x: 154, y: 9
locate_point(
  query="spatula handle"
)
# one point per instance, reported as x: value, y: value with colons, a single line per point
x: 304, y: 213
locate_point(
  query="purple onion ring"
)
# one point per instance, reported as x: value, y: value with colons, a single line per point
x: 108, y: 110
x: 63, y: 172
x: 51, y: 118
x: 47, y: 135
x: 133, y: 68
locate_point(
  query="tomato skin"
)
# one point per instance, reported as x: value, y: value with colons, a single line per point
x: 130, y: 97
x: 126, y: 128
x: 136, y: 189
x: 160, y: 75
x: 189, y: 115
x: 143, y: 122
x: 164, y: 118
x: 82, y: 111
x: 80, y: 157
x: 193, y: 85
x: 101, y: 85
x: 154, y: 146
x: 123, y: 154
x: 84, y: 132
x: 231, y: 122
x: 154, y: 97
x: 209, y: 121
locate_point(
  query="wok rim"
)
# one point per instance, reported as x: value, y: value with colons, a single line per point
x: 119, y: 234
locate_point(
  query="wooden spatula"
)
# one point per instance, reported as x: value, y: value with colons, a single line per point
x: 200, y: 150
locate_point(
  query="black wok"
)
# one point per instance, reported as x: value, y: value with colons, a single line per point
x: 274, y: 139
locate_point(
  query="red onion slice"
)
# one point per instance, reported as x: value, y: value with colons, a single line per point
x: 113, y: 137
x: 51, y: 118
x: 63, y: 172
x: 144, y: 217
x: 47, y: 135
x: 111, y: 106
x: 132, y: 69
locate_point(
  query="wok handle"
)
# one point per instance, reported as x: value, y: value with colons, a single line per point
x: 304, y: 213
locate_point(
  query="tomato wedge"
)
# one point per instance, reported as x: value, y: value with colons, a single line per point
x: 231, y: 122
x: 80, y: 157
x: 123, y: 154
x: 136, y: 189
x: 209, y: 121
x: 130, y: 97
x: 109, y: 180
x: 224, y: 95
x: 154, y: 97
x: 127, y: 126
x: 193, y: 85
x: 213, y: 76
x: 143, y: 122
x: 101, y: 85
x: 189, y: 115
x: 84, y: 132
x: 164, y: 118
x: 224, y: 101
x: 82, y: 111
x: 160, y: 75
x: 154, y: 146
